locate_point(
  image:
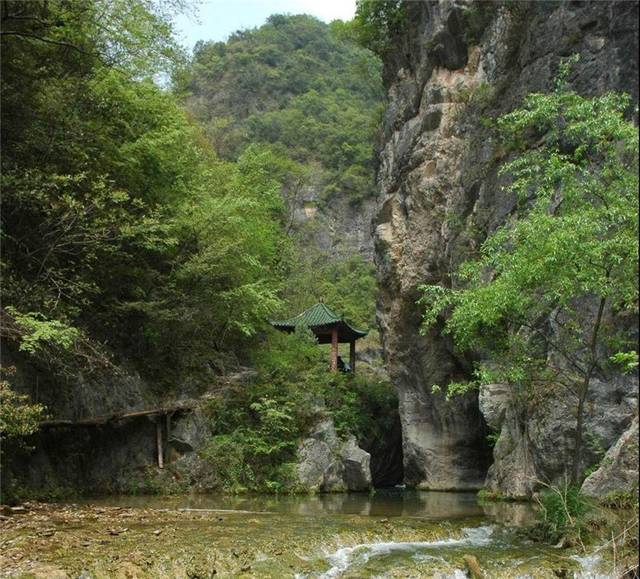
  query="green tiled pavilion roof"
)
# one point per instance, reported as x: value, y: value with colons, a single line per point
x: 320, y: 318
x: 318, y: 315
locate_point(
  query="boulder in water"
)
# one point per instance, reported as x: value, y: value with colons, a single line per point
x: 473, y: 567
x: 329, y: 464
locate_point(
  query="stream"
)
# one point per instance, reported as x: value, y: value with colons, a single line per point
x: 392, y: 533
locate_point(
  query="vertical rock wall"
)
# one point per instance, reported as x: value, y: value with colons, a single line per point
x: 457, y: 63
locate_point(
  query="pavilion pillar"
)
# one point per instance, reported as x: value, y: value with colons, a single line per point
x: 334, y: 349
x: 352, y: 356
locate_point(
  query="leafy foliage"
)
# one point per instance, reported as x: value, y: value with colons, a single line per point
x: 18, y: 417
x: 126, y: 236
x: 378, y: 22
x: 348, y: 285
x: 308, y: 97
x: 38, y: 330
x: 561, y: 511
x: 134, y: 36
x: 118, y: 220
x: 621, y: 499
x: 257, y: 427
x: 363, y: 405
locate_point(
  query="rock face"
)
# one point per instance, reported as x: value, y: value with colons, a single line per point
x: 534, y: 445
x: 113, y: 457
x: 338, y: 228
x: 456, y: 63
x: 189, y: 432
x: 100, y: 458
x: 99, y: 392
x: 329, y: 464
x: 494, y: 400
x: 357, y: 473
x: 619, y: 469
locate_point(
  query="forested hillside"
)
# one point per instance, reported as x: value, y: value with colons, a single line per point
x: 138, y: 241
x: 298, y: 85
x: 166, y: 214
x: 306, y: 92
x: 122, y: 224
x: 121, y: 227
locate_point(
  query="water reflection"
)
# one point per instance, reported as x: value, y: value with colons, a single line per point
x: 510, y: 514
x: 383, y: 503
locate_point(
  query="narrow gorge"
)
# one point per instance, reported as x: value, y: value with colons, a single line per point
x: 346, y: 293
x: 449, y: 69
x: 456, y: 65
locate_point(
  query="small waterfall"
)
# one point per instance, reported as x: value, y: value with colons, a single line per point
x: 590, y: 567
x: 346, y: 557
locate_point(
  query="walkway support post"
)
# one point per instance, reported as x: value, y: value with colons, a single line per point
x: 334, y: 350
x: 159, y: 442
x: 352, y: 356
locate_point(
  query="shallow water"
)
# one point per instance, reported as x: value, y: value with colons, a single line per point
x: 485, y: 530
x: 383, y: 503
x: 391, y: 533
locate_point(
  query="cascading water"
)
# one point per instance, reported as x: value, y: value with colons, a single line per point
x: 590, y: 566
x: 359, y: 555
x: 499, y: 550
x: 391, y: 533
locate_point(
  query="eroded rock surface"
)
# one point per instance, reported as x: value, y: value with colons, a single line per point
x: 456, y: 64
x: 494, y: 400
x: 535, y: 443
x: 329, y: 464
x: 619, y: 469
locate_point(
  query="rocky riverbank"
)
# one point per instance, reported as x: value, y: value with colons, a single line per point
x: 398, y: 534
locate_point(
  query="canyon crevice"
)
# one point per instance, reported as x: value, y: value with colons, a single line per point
x: 456, y: 65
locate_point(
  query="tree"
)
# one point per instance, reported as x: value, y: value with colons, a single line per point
x: 377, y: 22
x: 122, y: 232
x: 133, y: 36
x: 17, y: 416
x: 544, y: 304
x: 93, y: 155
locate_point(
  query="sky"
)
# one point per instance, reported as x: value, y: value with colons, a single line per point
x: 217, y: 19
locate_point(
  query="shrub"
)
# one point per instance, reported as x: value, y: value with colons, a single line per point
x: 225, y: 454
x: 562, y: 512
x: 18, y: 417
x: 621, y: 499
x: 257, y: 426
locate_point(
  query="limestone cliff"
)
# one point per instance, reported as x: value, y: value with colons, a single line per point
x: 455, y: 64
x: 337, y: 228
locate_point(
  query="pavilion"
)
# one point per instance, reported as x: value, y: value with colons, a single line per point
x: 328, y: 329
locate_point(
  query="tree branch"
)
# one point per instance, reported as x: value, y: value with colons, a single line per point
x: 44, y: 40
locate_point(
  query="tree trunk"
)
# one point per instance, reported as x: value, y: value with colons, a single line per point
x: 584, y: 391
x: 577, y: 456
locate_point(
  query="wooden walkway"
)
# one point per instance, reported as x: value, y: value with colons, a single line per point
x: 162, y: 427
x: 161, y: 416
x: 108, y: 418
x: 166, y: 409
